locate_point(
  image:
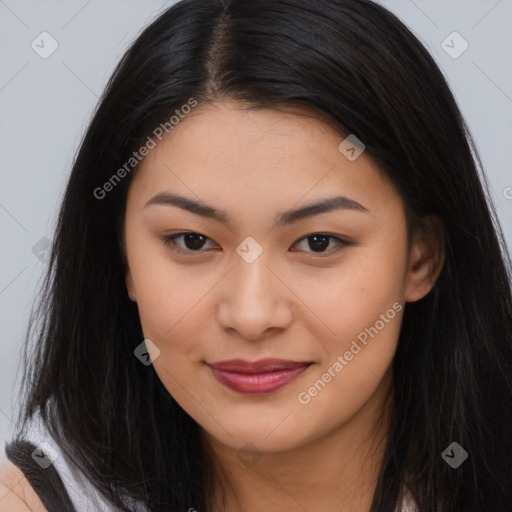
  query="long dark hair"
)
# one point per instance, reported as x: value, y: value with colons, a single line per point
x: 358, y: 66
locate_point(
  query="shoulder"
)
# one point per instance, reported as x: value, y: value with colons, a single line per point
x: 16, y: 493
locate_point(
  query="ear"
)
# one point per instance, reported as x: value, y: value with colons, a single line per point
x: 426, y: 259
x: 129, y: 286
x: 128, y: 276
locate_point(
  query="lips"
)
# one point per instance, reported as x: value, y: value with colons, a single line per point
x: 257, y: 377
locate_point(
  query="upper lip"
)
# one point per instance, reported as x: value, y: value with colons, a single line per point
x: 260, y: 366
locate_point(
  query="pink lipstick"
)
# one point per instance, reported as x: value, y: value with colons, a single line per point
x: 258, y: 377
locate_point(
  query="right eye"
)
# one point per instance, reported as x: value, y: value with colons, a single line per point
x: 191, y: 242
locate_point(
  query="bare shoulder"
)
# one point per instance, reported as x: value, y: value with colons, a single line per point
x: 16, y: 493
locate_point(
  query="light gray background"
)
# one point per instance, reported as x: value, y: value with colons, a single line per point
x: 45, y: 105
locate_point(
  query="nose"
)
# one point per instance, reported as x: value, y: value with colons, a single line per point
x: 255, y: 301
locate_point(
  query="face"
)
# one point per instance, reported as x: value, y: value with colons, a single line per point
x: 241, y: 276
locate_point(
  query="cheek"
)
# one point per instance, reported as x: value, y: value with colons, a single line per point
x: 165, y: 291
x: 173, y: 317
x: 353, y: 296
x: 365, y: 316
x: 363, y: 307
x: 172, y: 313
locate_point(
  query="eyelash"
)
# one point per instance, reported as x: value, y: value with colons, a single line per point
x: 170, y: 240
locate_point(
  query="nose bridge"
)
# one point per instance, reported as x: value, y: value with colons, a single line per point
x: 253, y: 300
x: 253, y: 278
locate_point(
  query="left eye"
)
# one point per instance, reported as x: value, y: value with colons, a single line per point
x: 319, y: 242
x: 194, y: 242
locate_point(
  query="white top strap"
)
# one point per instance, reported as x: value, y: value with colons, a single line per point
x: 84, y: 496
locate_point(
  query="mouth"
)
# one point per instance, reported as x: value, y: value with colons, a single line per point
x: 258, y: 377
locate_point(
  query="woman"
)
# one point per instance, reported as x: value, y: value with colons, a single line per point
x: 277, y: 283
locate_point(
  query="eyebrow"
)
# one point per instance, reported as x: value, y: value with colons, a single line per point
x: 284, y: 218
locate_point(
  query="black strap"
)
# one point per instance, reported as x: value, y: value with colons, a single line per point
x: 46, y: 482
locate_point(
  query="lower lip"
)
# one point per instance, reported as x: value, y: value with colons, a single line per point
x: 257, y: 383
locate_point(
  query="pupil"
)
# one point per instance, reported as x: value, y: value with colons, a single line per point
x: 319, y: 242
x: 192, y: 241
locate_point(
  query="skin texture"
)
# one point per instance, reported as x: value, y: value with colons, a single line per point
x: 274, y: 452
x: 16, y: 493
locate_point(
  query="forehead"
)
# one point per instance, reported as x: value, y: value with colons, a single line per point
x: 226, y: 154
